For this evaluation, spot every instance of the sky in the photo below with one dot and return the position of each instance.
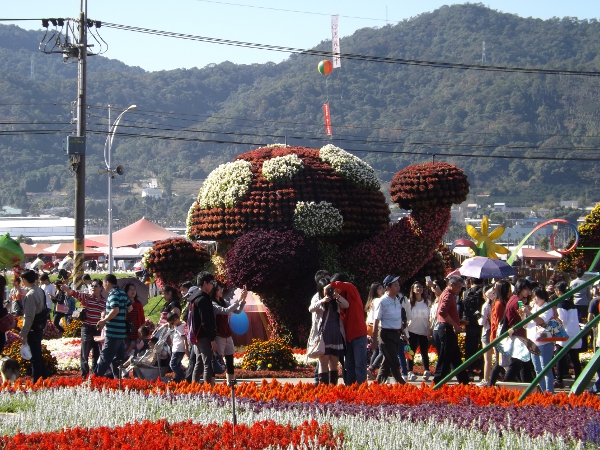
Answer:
(273, 22)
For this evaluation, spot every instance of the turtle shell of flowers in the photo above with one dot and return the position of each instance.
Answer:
(271, 205)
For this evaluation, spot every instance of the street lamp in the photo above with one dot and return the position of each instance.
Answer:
(111, 174)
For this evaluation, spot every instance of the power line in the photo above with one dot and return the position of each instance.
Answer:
(363, 141)
(319, 124)
(351, 56)
(289, 10)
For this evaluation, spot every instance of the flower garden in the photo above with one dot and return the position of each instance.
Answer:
(92, 414)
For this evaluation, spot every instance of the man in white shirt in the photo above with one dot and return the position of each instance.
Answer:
(48, 288)
(388, 318)
(37, 263)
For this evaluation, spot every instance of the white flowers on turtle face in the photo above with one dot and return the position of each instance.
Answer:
(318, 219)
(282, 168)
(350, 167)
(225, 185)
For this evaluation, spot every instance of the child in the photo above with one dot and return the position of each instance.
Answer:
(140, 345)
(70, 301)
(179, 346)
(147, 359)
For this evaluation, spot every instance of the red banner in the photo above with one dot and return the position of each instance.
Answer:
(327, 116)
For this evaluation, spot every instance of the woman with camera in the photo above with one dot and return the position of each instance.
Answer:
(329, 322)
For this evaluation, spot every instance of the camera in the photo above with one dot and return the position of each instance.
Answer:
(329, 292)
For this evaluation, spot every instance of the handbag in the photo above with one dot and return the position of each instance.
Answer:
(7, 322)
(61, 308)
(552, 332)
(217, 364)
(79, 314)
(316, 344)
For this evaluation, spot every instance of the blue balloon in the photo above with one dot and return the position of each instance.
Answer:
(239, 323)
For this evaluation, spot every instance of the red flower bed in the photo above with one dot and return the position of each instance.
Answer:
(372, 394)
(181, 435)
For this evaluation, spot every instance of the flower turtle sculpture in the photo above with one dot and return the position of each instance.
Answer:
(284, 212)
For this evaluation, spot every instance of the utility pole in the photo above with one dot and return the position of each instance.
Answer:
(75, 146)
(79, 160)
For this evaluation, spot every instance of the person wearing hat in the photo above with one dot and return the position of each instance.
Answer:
(449, 357)
(37, 263)
(67, 263)
(387, 328)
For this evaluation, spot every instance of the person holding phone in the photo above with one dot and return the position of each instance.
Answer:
(223, 310)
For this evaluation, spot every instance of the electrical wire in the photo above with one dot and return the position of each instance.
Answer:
(162, 114)
(292, 11)
(351, 56)
(362, 141)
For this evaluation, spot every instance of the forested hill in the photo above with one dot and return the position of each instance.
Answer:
(375, 106)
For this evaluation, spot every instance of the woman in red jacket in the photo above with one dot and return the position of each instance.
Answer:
(355, 362)
(136, 316)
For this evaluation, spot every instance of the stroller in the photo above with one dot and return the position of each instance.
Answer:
(147, 370)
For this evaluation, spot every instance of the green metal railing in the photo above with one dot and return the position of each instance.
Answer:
(522, 323)
(559, 356)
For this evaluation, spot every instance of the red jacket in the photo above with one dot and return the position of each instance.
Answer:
(353, 317)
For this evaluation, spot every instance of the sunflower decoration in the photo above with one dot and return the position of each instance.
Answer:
(484, 244)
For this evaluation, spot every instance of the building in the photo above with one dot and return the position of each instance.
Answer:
(38, 226)
(500, 207)
(523, 227)
(152, 192)
(574, 204)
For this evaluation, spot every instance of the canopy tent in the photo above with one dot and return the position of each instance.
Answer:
(31, 251)
(141, 231)
(64, 248)
(537, 255)
(257, 318)
(125, 252)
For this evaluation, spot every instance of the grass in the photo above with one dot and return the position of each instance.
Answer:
(154, 304)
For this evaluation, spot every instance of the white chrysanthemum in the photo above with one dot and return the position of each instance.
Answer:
(189, 221)
(282, 168)
(146, 256)
(318, 219)
(349, 167)
(225, 185)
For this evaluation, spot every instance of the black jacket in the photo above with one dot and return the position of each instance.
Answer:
(203, 315)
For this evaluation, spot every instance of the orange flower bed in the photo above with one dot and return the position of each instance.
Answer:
(182, 435)
(372, 394)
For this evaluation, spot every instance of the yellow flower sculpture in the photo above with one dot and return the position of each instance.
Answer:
(485, 242)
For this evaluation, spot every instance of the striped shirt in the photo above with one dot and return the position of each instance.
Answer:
(93, 307)
(115, 328)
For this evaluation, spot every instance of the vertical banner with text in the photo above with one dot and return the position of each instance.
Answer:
(327, 116)
(335, 39)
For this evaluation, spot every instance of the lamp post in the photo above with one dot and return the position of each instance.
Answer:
(111, 174)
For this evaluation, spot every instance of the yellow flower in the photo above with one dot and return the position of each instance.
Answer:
(485, 242)
(270, 365)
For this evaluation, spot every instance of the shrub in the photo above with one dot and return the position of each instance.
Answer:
(25, 366)
(73, 329)
(175, 260)
(274, 354)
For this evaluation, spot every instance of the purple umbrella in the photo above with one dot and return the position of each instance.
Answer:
(483, 267)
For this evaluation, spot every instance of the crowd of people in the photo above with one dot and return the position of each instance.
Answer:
(371, 342)
(114, 329)
(396, 324)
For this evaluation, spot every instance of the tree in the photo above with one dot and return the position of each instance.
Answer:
(544, 243)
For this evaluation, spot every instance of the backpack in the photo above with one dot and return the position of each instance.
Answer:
(473, 302)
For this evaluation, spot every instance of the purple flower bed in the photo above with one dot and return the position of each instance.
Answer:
(567, 422)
